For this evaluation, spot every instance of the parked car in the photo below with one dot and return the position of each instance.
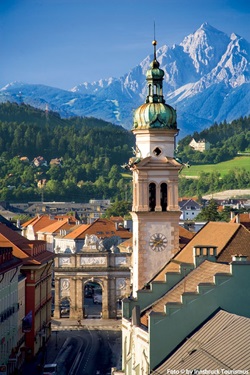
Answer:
(50, 369)
(65, 307)
(97, 298)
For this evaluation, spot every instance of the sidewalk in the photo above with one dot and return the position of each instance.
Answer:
(66, 323)
(53, 346)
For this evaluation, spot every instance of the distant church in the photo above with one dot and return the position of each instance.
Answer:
(174, 292)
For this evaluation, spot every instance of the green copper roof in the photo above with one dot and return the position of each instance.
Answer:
(154, 113)
(155, 71)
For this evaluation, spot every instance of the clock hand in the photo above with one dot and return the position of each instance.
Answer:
(158, 242)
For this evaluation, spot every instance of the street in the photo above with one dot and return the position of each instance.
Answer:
(85, 352)
(90, 349)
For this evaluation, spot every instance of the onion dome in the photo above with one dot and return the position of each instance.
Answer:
(154, 113)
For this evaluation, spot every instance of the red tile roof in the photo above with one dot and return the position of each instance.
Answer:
(184, 236)
(77, 233)
(58, 225)
(125, 245)
(102, 228)
(243, 219)
(39, 222)
(31, 252)
(116, 219)
(229, 238)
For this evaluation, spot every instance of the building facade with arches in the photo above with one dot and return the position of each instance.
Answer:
(73, 272)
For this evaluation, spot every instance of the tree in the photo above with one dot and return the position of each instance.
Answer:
(210, 212)
(225, 215)
(118, 208)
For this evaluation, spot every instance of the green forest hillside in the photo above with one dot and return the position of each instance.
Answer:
(87, 152)
(226, 165)
(226, 141)
(45, 157)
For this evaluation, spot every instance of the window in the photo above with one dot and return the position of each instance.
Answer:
(157, 151)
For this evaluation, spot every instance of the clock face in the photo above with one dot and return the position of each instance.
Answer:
(158, 242)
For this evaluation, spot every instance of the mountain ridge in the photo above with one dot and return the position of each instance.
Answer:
(206, 79)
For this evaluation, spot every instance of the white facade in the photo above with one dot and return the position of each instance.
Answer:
(189, 210)
(8, 313)
(135, 349)
(66, 245)
(200, 146)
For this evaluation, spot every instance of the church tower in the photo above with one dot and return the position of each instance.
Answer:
(155, 210)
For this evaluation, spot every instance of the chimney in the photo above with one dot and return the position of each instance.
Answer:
(136, 316)
(201, 253)
(239, 258)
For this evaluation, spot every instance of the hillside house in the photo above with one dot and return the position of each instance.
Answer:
(39, 161)
(200, 146)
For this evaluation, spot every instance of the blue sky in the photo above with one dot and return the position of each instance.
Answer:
(63, 43)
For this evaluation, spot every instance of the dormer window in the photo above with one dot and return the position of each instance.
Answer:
(157, 151)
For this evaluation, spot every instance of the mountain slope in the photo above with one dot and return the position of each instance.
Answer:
(206, 79)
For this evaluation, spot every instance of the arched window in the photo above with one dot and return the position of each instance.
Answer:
(150, 90)
(164, 196)
(152, 198)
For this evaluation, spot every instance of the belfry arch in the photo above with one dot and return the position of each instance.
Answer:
(157, 196)
(152, 196)
(164, 196)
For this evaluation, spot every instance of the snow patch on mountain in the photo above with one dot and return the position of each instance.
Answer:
(206, 80)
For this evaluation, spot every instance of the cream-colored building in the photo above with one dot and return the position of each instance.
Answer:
(201, 146)
(90, 255)
(9, 309)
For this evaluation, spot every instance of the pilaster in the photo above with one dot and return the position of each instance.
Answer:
(105, 299)
(79, 297)
(73, 298)
(57, 299)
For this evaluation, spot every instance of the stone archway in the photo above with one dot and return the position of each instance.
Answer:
(74, 272)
